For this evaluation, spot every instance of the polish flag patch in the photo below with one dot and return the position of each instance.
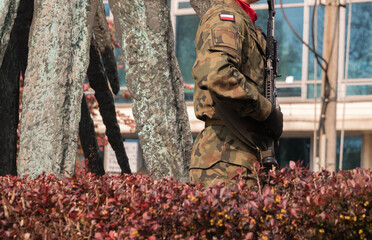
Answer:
(227, 17)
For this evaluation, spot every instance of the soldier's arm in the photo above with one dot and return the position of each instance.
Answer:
(216, 68)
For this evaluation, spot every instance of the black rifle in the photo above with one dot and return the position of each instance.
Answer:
(269, 160)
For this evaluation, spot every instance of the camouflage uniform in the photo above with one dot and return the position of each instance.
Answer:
(230, 66)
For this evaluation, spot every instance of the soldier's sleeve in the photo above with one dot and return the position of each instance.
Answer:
(219, 48)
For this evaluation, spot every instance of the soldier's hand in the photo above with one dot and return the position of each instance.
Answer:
(274, 123)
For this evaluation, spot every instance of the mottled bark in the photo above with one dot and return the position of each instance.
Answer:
(53, 87)
(15, 61)
(155, 83)
(8, 10)
(103, 38)
(88, 141)
(98, 81)
(201, 6)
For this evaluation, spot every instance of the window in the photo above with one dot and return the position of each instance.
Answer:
(315, 31)
(311, 90)
(107, 10)
(186, 27)
(293, 149)
(360, 53)
(288, 45)
(359, 90)
(358, 63)
(351, 154)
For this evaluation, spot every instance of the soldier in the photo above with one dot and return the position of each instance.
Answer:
(229, 74)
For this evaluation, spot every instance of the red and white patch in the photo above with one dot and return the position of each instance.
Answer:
(227, 17)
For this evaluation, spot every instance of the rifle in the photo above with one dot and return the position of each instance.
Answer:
(269, 160)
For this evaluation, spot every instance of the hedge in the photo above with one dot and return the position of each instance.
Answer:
(290, 203)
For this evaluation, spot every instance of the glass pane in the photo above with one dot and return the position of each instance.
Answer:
(189, 94)
(293, 149)
(289, 47)
(107, 10)
(120, 66)
(289, 92)
(186, 27)
(184, 5)
(319, 48)
(262, 19)
(359, 90)
(122, 97)
(311, 90)
(360, 55)
(352, 153)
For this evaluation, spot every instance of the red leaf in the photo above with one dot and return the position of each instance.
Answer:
(293, 212)
(155, 227)
(322, 215)
(98, 235)
(266, 191)
(169, 195)
(113, 234)
(146, 216)
(254, 204)
(249, 236)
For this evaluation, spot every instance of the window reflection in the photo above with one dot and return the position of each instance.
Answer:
(186, 27)
(319, 21)
(360, 55)
(352, 153)
(359, 90)
(107, 10)
(289, 92)
(289, 47)
(311, 90)
(293, 149)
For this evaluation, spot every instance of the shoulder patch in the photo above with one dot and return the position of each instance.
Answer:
(227, 17)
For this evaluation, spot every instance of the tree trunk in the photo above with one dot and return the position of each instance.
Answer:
(155, 84)
(8, 10)
(53, 87)
(14, 63)
(88, 141)
(201, 6)
(98, 81)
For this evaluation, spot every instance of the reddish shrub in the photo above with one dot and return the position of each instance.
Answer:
(293, 203)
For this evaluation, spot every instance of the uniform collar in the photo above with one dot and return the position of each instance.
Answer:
(251, 13)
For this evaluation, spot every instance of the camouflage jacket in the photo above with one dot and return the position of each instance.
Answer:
(230, 64)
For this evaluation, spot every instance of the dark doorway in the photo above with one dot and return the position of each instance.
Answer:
(293, 149)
